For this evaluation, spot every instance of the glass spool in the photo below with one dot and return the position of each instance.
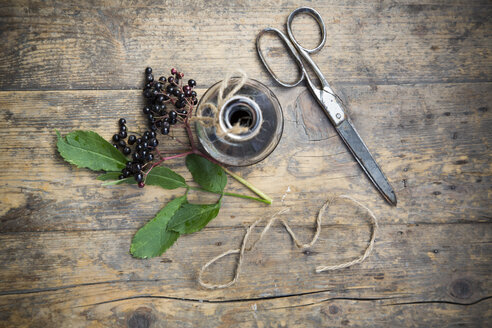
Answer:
(254, 108)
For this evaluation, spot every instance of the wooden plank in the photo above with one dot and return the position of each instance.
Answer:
(433, 146)
(66, 46)
(84, 275)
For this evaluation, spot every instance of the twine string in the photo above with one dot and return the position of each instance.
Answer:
(213, 120)
(297, 242)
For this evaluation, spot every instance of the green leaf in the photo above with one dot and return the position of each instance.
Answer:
(109, 176)
(90, 150)
(165, 178)
(153, 239)
(115, 177)
(208, 175)
(193, 217)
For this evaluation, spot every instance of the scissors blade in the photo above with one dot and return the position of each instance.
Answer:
(357, 147)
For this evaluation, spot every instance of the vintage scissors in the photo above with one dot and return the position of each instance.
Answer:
(327, 99)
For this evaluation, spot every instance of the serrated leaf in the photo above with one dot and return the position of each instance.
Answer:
(153, 239)
(208, 175)
(165, 178)
(114, 176)
(90, 150)
(193, 217)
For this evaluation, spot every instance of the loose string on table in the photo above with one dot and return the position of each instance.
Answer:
(241, 251)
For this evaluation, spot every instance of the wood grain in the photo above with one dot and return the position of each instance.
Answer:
(59, 45)
(416, 78)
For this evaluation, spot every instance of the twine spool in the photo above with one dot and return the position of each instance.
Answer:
(241, 251)
(214, 120)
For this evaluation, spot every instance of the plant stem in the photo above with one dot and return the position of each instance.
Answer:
(232, 195)
(266, 201)
(257, 191)
(250, 186)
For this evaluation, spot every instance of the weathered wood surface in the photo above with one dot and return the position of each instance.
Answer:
(416, 77)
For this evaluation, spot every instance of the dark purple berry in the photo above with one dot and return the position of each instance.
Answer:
(127, 151)
(193, 94)
(180, 103)
(122, 143)
(160, 99)
(162, 79)
(153, 142)
(192, 83)
(136, 156)
(170, 79)
(148, 70)
(126, 173)
(122, 121)
(141, 184)
(115, 146)
(138, 177)
(147, 93)
(139, 141)
(174, 71)
(123, 128)
(132, 139)
(116, 138)
(149, 78)
(172, 114)
(146, 110)
(121, 177)
(165, 130)
(123, 134)
(149, 157)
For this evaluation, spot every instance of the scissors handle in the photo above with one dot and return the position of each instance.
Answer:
(319, 20)
(290, 48)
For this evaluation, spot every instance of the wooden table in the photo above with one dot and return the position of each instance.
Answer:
(416, 77)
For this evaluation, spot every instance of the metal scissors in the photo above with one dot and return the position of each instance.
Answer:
(327, 99)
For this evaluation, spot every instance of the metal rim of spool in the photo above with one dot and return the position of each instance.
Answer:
(227, 110)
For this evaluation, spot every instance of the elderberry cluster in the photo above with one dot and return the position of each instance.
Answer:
(168, 102)
(170, 90)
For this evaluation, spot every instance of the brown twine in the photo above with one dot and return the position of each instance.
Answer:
(213, 121)
(297, 242)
